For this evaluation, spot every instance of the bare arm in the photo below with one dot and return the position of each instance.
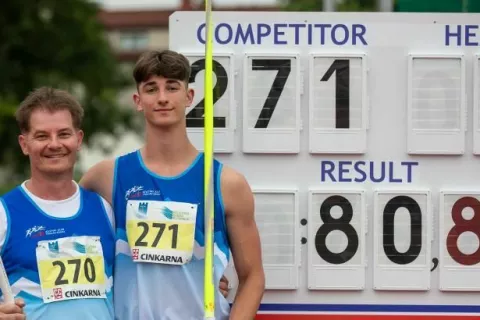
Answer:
(99, 179)
(245, 244)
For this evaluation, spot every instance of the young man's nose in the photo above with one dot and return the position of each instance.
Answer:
(162, 97)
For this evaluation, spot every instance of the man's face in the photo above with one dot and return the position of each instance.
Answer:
(163, 101)
(52, 142)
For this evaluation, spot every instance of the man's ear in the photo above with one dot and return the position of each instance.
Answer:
(80, 135)
(23, 144)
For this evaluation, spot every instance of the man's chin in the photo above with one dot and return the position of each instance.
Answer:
(57, 170)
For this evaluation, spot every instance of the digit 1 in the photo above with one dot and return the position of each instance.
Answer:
(341, 67)
(174, 228)
(461, 226)
(342, 224)
(389, 230)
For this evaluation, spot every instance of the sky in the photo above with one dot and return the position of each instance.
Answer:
(133, 4)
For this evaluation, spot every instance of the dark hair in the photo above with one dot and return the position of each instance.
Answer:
(49, 99)
(166, 63)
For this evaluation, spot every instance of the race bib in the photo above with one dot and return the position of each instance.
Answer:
(71, 268)
(161, 231)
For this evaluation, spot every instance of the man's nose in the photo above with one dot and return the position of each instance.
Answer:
(54, 143)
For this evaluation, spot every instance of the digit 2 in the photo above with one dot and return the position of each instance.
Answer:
(195, 116)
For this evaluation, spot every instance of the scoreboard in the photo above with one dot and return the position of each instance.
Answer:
(360, 136)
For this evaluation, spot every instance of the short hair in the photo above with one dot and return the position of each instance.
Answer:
(49, 99)
(167, 63)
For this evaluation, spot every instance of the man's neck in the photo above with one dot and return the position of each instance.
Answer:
(167, 150)
(51, 188)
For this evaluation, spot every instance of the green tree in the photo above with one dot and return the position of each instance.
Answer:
(342, 5)
(304, 5)
(60, 44)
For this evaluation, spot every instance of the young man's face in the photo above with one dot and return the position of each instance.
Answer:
(163, 101)
(52, 142)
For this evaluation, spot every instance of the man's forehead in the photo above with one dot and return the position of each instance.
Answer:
(48, 128)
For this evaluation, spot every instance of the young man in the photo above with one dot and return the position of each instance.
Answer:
(157, 195)
(56, 238)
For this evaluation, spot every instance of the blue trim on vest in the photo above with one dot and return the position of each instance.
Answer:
(106, 214)
(46, 214)
(220, 201)
(114, 187)
(7, 235)
(186, 171)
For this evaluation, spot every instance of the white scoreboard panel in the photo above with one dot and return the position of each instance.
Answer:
(360, 136)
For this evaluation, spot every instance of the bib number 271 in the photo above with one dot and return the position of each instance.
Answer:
(161, 231)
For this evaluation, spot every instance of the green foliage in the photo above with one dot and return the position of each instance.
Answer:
(317, 5)
(357, 5)
(304, 5)
(60, 44)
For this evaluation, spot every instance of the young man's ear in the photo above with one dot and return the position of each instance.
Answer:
(136, 100)
(190, 95)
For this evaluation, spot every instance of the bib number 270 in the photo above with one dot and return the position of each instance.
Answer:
(88, 270)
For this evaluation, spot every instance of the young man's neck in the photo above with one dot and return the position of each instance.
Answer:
(168, 146)
(55, 187)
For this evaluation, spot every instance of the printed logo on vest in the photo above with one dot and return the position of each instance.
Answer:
(137, 192)
(41, 231)
(35, 231)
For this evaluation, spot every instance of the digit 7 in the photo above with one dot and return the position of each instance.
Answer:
(76, 273)
(283, 67)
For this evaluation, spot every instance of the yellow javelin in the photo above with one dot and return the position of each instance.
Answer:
(209, 293)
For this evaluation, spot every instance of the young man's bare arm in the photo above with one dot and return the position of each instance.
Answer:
(99, 179)
(244, 243)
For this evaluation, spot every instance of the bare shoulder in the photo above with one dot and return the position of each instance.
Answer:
(236, 191)
(99, 178)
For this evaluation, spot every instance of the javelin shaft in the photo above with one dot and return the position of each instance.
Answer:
(209, 293)
(5, 285)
